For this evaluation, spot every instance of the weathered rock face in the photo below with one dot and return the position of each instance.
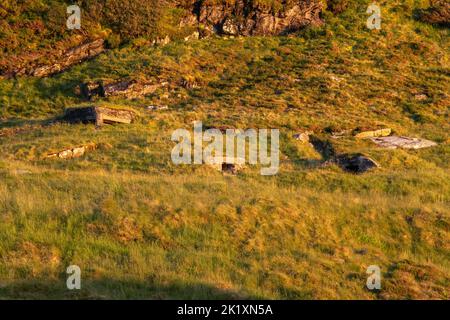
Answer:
(247, 18)
(62, 61)
(70, 57)
(129, 89)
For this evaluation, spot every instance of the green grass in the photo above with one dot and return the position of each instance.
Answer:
(140, 227)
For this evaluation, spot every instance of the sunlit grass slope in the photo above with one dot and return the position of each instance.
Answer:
(141, 227)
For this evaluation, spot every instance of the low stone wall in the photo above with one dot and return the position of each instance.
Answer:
(129, 89)
(59, 62)
(73, 152)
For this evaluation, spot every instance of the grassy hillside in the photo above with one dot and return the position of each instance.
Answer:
(141, 227)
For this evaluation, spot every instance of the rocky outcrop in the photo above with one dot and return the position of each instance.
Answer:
(72, 153)
(303, 137)
(129, 89)
(247, 18)
(61, 62)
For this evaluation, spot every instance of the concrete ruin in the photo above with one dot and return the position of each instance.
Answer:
(98, 115)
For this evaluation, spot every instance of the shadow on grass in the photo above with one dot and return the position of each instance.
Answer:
(107, 288)
(51, 87)
(324, 147)
(321, 146)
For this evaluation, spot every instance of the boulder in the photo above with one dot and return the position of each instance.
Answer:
(65, 154)
(78, 152)
(421, 97)
(394, 142)
(303, 136)
(157, 108)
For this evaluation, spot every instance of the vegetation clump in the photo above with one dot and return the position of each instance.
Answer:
(337, 6)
